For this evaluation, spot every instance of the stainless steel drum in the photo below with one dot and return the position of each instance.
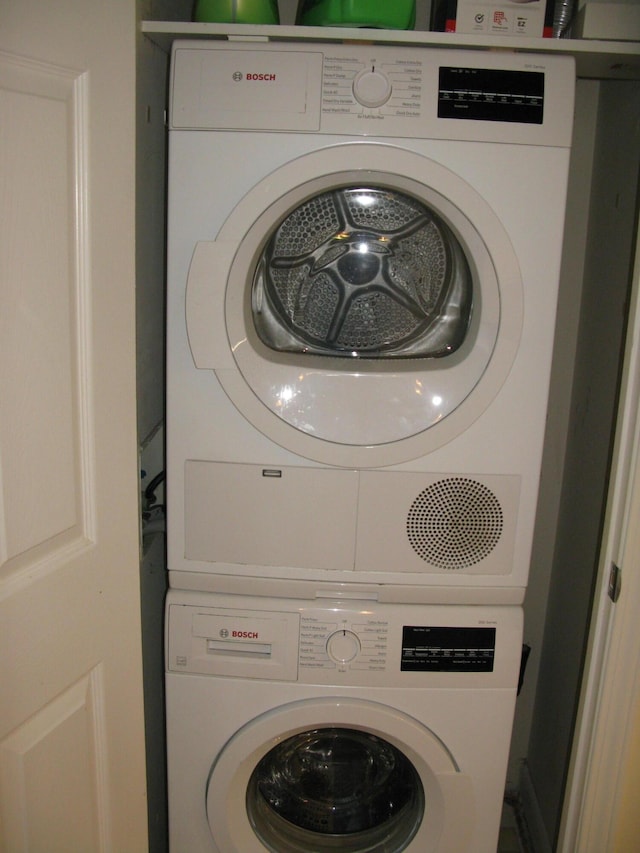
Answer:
(363, 272)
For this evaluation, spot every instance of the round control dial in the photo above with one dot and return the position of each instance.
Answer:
(371, 88)
(343, 646)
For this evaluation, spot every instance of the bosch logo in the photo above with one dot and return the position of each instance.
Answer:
(245, 635)
(254, 78)
(224, 633)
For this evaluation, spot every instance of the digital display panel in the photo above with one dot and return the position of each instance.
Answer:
(428, 649)
(491, 95)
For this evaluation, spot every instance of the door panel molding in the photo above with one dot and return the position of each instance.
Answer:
(46, 464)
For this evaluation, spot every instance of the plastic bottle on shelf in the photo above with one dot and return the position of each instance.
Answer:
(236, 11)
(389, 14)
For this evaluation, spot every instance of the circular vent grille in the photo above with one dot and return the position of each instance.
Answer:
(454, 523)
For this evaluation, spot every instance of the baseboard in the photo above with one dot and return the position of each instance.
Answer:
(535, 830)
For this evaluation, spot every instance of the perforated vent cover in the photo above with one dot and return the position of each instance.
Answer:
(455, 523)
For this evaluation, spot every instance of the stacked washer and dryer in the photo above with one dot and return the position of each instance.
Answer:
(363, 256)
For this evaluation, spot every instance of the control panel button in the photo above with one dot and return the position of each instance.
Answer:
(371, 88)
(343, 646)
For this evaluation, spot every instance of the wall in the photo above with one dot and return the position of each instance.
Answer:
(151, 79)
(566, 341)
(593, 399)
(150, 214)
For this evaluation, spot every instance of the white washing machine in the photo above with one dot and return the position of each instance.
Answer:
(363, 254)
(337, 724)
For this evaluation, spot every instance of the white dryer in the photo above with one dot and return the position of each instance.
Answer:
(363, 256)
(337, 725)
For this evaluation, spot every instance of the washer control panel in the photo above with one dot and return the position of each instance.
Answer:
(342, 643)
(343, 640)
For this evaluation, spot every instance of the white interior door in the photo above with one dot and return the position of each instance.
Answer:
(72, 774)
(600, 808)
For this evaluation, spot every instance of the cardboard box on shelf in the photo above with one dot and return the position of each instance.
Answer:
(608, 20)
(526, 18)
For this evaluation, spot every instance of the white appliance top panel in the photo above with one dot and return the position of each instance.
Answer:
(366, 90)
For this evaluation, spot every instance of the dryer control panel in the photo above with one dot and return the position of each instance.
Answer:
(372, 90)
(342, 643)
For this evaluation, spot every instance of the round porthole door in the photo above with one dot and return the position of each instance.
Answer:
(363, 271)
(337, 774)
(335, 788)
(371, 305)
